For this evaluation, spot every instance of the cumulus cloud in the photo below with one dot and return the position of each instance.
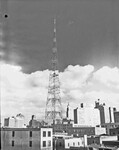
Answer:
(22, 92)
(27, 93)
(108, 76)
(74, 77)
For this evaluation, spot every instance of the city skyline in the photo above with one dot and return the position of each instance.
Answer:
(88, 49)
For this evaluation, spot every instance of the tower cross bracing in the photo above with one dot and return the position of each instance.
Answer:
(53, 111)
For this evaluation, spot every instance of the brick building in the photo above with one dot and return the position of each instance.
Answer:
(114, 131)
(116, 116)
(109, 126)
(26, 138)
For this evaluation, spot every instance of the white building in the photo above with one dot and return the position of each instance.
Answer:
(20, 121)
(73, 142)
(15, 122)
(46, 138)
(100, 130)
(70, 112)
(108, 138)
(64, 141)
(109, 114)
(87, 116)
(10, 122)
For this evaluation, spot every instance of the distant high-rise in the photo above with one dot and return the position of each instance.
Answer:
(69, 112)
(15, 122)
(106, 113)
(53, 112)
(86, 116)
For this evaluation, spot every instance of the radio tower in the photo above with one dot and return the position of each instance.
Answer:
(53, 112)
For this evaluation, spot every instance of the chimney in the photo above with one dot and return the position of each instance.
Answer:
(97, 103)
(114, 109)
(81, 105)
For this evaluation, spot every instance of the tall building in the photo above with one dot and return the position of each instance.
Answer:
(53, 112)
(106, 113)
(20, 121)
(10, 122)
(70, 112)
(86, 116)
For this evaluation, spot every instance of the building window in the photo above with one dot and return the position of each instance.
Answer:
(90, 148)
(44, 133)
(30, 143)
(44, 143)
(49, 133)
(68, 145)
(12, 143)
(30, 134)
(60, 144)
(49, 143)
(113, 133)
(13, 133)
(73, 144)
(78, 143)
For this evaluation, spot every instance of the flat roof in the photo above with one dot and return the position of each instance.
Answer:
(23, 129)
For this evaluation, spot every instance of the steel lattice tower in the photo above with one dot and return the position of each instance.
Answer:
(53, 110)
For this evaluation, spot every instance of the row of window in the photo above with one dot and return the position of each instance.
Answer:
(113, 126)
(74, 144)
(30, 143)
(44, 133)
(44, 143)
(30, 134)
(115, 133)
(84, 131)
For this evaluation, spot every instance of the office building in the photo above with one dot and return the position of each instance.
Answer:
(89, 131)
(106, 113)
(15, 122)
(86, 116)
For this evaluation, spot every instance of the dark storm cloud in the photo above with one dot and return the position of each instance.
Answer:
(87, 32)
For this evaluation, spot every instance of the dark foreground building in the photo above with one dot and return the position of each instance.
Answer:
(26, 138)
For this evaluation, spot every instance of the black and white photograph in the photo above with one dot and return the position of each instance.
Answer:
(59, 74)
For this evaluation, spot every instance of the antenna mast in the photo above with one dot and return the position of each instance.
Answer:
(53, 112)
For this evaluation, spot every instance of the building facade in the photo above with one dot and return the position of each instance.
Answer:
(26, 138)
(109, 126)
(74, 142)
(15, 122)
(89, 131)
(114, 131)
(65, 142)
(106, 113)
(86, 116)
(116, 116)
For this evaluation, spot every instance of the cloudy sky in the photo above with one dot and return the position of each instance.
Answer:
(88, 53)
